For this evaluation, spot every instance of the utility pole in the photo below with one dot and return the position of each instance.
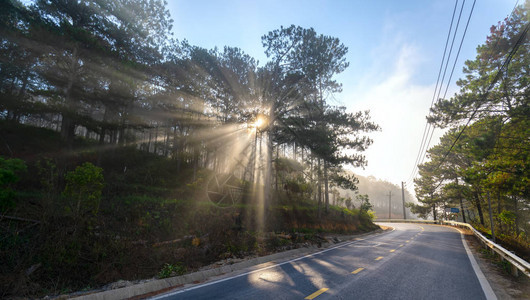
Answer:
(403, 198)
(389, 204)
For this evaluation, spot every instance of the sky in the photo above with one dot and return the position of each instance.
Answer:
(395, 51)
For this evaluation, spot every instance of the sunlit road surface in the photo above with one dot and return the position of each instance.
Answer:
(414, 261)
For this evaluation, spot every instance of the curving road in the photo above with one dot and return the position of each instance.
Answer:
(413, 261)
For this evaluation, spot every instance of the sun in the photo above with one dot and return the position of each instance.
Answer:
(259, 122)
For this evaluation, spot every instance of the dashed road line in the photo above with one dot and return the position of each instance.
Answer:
(379, 258)
(392, 250)
(316, 294)
(357, 271)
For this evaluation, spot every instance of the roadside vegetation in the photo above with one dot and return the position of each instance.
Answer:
(99, 224)
(482, 163)
(127, 153)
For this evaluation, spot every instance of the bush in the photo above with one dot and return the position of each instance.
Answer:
(8, 176)
(172, 270)
(83, 188)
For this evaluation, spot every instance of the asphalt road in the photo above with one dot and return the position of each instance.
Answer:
(414, 261)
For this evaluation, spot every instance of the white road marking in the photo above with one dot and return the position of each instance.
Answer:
(486, 287)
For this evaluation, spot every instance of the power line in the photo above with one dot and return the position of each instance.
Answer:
(456, 60)
(428, 126)
(459, 48)
(425, 143)
(451, 49)
(488, 90)
(434, 94)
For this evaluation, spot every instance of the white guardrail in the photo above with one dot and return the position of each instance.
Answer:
(517, 263)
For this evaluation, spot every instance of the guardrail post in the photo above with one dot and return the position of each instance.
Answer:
(515, 271)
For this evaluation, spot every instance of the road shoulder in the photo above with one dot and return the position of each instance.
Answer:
(503, 284)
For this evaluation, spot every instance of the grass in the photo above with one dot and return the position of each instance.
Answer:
(170, 270)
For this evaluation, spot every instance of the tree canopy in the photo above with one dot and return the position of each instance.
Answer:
(112, 72)
(485, 152)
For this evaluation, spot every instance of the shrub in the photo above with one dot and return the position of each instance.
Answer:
(172, 270)
(83, 188)
(365, 202)
(8, 176)
(508, 218)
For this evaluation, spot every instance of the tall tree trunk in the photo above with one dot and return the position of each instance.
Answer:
(268, 167)
(461, 201)
(462, 209)
(114, 136)
(320, 95)
(121, 134)
(479, 207)
(311, 175)
(319, 174)
(155, 140)
(268, 170)
(166, 144)
(195, 162)
(102, 134)
(276, 171)
(516, 215)
(499, 205)
(68, 124)
(68, 129)
(149, 141)
(326, 186)
(103, 128)
(206, 163)
(15, 113)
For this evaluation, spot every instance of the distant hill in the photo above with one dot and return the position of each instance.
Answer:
(377, 191)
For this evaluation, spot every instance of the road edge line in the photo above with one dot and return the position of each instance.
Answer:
(200, 285)
(484, 283)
